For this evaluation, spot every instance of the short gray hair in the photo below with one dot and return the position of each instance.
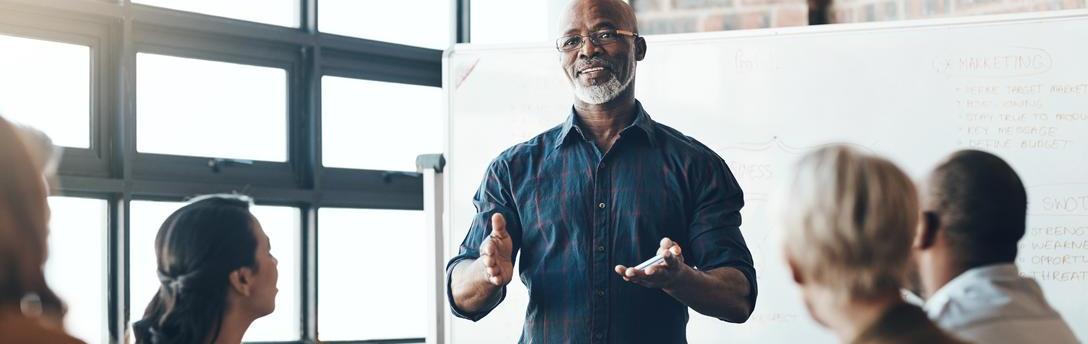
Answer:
(850, 221)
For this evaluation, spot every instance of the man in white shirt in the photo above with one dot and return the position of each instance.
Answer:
(974, 213)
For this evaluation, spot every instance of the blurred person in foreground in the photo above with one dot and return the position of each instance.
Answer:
(30, 312)
(848, 229)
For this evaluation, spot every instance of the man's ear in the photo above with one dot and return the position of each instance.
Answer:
(928, 229)
(241, 280)
(640, 48)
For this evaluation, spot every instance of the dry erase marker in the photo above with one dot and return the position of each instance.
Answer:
(649, 262)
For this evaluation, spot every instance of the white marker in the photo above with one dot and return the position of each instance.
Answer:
(650, 261)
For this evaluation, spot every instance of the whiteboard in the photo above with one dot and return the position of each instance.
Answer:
(914, 91)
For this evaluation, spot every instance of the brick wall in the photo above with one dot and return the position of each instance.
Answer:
(678, 16)
(851, 11)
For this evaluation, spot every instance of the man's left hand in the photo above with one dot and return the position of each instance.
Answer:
(661, 275)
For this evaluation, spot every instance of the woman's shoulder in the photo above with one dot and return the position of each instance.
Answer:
(19, 329)
(905, 324)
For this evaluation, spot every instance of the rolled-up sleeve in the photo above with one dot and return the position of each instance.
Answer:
(715, 237)
(493, 196)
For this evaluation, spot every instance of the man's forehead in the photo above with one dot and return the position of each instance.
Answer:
(592, 25)
(597, 14)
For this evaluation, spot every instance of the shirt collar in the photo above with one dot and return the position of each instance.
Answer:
(642, 121)
(940, 299)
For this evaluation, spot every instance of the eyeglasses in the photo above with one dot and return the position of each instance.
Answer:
(599, 38)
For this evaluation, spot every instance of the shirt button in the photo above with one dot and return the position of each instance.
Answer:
(601, 205)
(600, 292)
(600, 248)
(598, 336)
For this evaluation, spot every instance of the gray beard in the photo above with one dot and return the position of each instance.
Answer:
(601, 93)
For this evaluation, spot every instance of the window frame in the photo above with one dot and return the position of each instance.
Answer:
(375, 341)
(112, 169)
(416, 71)
(97, 35)
(108, 240)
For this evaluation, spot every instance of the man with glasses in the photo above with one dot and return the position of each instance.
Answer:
(605, 190)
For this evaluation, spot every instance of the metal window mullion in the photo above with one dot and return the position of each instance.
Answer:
(118, 271)
(304, 119)
(121, 124)
(308, 16)
(462, 21)
(306, 157)
(309, 273)
(110, 116)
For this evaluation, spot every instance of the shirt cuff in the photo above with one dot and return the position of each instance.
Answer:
(474, 316)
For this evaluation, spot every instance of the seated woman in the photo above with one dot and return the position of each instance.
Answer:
(30, 312)
(848, 227)
(216, 271)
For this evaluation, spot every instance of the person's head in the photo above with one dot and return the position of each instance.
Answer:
(45, 155)
(975, 212)
(213, 259)
(848, 226)
(599, 48)
(24, 220)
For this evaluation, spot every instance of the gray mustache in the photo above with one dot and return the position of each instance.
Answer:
(596, 61)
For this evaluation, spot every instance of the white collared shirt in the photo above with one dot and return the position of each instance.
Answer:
(994, 304)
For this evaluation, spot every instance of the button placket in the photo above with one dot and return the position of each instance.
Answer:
(600, 270)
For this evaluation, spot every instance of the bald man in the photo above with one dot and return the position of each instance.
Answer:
(975, 211)
(605, 190)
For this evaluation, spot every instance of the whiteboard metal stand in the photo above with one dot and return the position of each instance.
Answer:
(431, 166)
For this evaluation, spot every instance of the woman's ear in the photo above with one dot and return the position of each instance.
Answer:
(241, 281)
(794, 271)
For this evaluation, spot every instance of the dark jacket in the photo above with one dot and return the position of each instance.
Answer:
(904, 324)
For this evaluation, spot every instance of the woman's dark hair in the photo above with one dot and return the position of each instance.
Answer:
(197, 247)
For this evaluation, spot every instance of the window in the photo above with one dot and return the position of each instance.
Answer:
(76, 269)
(276, 12)
(282, 226)
(142, 94)
(47, 85)
(373, 274)
(205, 108)
(379, 125)
(424, 23)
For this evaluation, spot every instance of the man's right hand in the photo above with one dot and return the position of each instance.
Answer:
(475, 286)
(495, 253)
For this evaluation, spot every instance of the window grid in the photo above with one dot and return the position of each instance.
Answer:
(112, 170)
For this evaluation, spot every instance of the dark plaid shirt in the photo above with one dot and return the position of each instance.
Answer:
(574, 213)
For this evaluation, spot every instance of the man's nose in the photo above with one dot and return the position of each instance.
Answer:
(589, 49)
